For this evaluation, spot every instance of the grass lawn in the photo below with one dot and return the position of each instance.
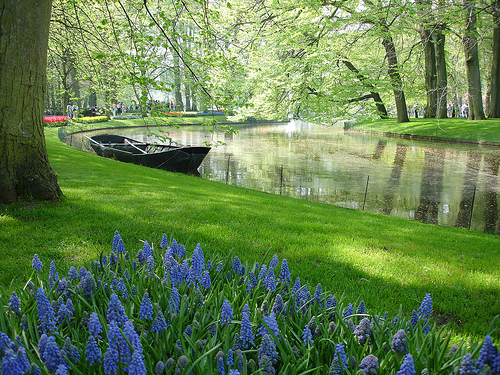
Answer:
(455, 128)
(385, 261)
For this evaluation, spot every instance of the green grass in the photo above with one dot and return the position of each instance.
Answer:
(382, 260)
(454, 128)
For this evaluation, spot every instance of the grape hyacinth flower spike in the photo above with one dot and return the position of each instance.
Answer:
(37, 263)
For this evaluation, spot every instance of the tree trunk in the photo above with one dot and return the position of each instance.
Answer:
(494, 107)
(476, 111)
(396, 80)
(25, 173)
(179, 107)
(375, 95)
(441, 72)
(430, 72)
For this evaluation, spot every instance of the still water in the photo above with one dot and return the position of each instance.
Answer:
(437, 183)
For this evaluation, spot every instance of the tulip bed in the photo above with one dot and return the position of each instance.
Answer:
(164, 311)
(91, 120)
(54, 121)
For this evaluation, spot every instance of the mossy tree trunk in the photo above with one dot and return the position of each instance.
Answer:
(25, 173)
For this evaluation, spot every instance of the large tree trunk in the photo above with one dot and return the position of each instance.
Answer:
(179, 106)
(494, 107)
(25, 173)
(441, 72)
(397, 83)
(476, 111)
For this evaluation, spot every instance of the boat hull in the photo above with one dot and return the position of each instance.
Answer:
(166, 157)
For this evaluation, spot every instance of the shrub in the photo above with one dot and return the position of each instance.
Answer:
(162, 311)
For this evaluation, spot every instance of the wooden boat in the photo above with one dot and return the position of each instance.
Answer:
(168, 157)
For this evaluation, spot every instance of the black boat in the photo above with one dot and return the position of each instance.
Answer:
(185, 159)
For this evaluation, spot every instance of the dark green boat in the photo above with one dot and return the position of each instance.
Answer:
(168, 157)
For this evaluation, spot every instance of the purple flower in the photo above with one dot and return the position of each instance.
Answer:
(307, 336)
(146, 310)
(246, 334)
(408, 367)
(284, 274)
(226, 316)
(399, 342)
(92, 352)
(369, 364)
(278, 306)
(160, 367)
(37, 263)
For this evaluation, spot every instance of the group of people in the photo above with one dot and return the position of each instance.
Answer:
(72, 110)
(458, 111)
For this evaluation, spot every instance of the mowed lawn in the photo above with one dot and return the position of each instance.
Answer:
(384, 261)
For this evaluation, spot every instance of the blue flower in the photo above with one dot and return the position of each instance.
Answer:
(95, 327)
(230, 358)
(270, 280)
(495, 367)
(116, 311)
(188, 331)
(10, 363)
(147, 251)
(407, 367)
(15, 303)
(92, 352)
(236, 264)
(369, 364)
(233, 372)
(120, 247)
(52, 269)
(160, 367)
(263, 272)
(226, 316)
(131, 335)
(349, 311)
(270, 325)
(399, 342)
(146, 310)
(268, 348)
(175, 300)
(205, 280)
(62, 370)
(331, 302)
(150, 266)
(284, 274)
(296, 286)
(317, 294)
(111, 359)
(363, 331)
(274, 262)
(117, 342)
(137, 366)
(340, 354)
(72, 274)
(487, 353)
(278, 306)
(414, 319)
(307, 336)
(37, 263)
(51, 354)
(164, 241)
(425, 308)
(221, 369)
(46, 315)
(22, 360)
(159, 323)
(361, 308)
(198, 263)
(246, 334)
(116, 238)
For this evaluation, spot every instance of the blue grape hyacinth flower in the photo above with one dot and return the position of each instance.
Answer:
(407, 367)
(246, 333)
(116, 311)
(159, 323)
(226, 316)
(307, 336)
(92, 352)
(146, 309)
(399, 342)
(284, 274)
(46, 315)
(164, 241)
(37, 263)
(369, 364)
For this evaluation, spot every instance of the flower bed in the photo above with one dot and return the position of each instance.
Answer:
(91, 120)
(52, 121)
(163, 311)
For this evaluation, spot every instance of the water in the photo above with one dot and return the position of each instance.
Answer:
(445, 184)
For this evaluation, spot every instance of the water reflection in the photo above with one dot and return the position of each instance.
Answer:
(433, 183)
